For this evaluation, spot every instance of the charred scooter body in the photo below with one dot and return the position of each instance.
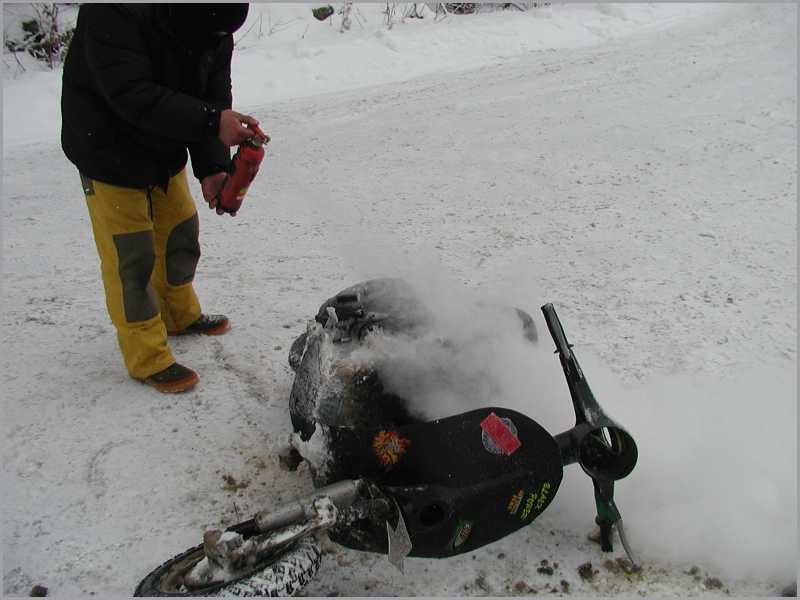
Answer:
(389, 481)
(459, 482)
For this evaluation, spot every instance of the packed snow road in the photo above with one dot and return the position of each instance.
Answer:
(646, 186)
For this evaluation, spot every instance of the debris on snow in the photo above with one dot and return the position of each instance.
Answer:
(523, 589)
(621, 565)
(586, 571)
(545, 568)
(232, 485)
(713, 583)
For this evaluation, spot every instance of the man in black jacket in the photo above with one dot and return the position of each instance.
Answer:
(144, 83)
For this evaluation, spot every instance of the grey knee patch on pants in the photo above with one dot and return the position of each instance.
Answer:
(137, 258)
(183, 251)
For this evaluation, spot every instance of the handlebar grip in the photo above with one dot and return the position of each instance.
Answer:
(556, 330)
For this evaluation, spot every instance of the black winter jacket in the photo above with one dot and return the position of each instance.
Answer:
(134, 98)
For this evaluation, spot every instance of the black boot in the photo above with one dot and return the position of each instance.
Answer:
(207, 325)
(172, 380)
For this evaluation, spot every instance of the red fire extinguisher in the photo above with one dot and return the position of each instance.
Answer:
(245, 167)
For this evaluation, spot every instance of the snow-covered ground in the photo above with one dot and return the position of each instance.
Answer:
(633, 164)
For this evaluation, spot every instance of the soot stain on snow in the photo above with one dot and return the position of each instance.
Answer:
(254, 387)
(40, 320)
(481, 582)
(231, 485)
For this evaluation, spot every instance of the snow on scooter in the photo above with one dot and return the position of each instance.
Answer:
(377, 487)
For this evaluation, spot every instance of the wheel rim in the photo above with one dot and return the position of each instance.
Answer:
(172, 581)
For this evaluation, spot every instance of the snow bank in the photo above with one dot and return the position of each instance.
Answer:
(304, 57)
(283, 52)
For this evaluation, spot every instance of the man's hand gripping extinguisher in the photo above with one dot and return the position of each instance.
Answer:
(244, 169)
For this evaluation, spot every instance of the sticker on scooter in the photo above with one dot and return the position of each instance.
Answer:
(515, 502)
(389, 447)
(499, 435)
(463, 531)
(536, 501)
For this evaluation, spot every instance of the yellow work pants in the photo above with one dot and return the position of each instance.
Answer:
(148, 246)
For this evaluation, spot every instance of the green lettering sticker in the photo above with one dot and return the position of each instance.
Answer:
(535, 501)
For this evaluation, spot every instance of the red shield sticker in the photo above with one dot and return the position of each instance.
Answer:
(500, 433)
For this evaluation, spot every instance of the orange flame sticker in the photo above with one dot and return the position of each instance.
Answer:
(389, 447)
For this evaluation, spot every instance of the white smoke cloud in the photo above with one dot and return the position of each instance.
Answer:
(717, 476)
(716, 481)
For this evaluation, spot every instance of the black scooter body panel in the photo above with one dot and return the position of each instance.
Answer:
(457, 490)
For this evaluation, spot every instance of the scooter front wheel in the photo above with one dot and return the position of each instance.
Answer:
(283, 575)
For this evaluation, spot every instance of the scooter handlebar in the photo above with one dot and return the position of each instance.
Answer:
(605, 451)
